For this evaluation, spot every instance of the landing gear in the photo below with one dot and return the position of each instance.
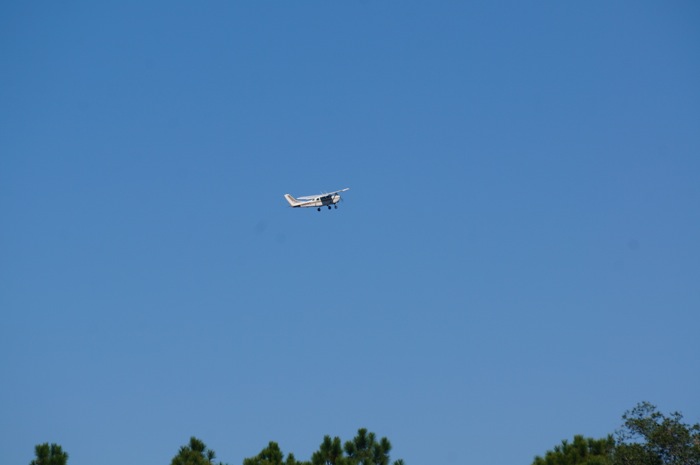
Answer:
(329, 207)
(319, 209)
(336, 207)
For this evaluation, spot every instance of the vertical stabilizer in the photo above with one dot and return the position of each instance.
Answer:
(292, 201)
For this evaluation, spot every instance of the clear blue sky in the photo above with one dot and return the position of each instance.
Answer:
(517, 261)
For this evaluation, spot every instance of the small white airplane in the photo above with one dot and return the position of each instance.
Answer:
(318, 201)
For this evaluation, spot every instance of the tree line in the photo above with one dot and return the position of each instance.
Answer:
(646, 437)
(364, 449)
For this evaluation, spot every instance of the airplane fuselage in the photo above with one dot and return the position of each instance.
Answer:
(323, 200)
(320, 202)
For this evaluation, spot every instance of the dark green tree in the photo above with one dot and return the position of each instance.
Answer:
(364, 449)
(582, 451)
(49, 455)
(648, 437)
(195, 453)
(272, 455)
(329, 453)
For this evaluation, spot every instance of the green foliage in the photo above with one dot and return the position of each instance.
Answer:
(329, 453)
(582, 451)
(648, 437)
(272, 455)
(364, 449)
(49, 455)
(195, 453)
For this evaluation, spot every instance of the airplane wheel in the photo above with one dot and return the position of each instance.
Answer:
(319, 209)
(336, 207)
(329, 207)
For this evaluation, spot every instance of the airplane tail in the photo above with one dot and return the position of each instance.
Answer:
(292, 201)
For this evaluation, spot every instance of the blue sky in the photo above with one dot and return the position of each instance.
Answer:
(517, 261)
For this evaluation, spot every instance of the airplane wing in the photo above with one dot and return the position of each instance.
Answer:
(319, 196)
